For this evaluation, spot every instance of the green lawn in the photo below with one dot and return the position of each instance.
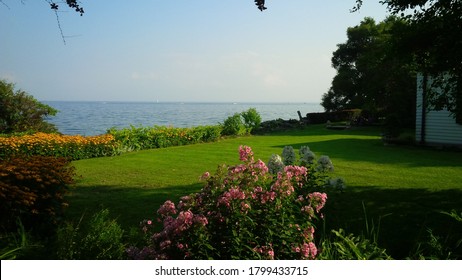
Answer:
(404, 186)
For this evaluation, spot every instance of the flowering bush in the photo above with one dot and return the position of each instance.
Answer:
(242, 212)
(33, 190)
(57, 145)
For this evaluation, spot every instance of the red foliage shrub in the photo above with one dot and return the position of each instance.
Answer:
(32, 189)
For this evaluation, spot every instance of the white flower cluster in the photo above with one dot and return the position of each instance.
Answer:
(275, 164)
(325, 164)
(288, 155)
(306, 155)
(337, 183)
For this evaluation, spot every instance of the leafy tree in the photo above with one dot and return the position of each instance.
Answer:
(435, 39)
(20, 112)
(371, 75)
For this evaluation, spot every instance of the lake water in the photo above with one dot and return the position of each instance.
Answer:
(94, 118)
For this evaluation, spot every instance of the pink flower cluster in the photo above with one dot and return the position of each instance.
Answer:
(297, 173)
(174, 227)
(318, 200)
(307, 250)
(265, 251)
(233, 194)
(245, 153)
(167, 209)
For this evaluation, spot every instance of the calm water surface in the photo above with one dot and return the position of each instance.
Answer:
(94, 118)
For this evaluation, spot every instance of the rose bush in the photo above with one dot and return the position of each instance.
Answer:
(242, 212)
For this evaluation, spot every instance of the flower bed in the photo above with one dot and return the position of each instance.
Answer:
(56, 145)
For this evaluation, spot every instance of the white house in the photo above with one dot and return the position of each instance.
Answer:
(435, 127)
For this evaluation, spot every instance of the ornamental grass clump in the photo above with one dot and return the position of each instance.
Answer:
(242, 212)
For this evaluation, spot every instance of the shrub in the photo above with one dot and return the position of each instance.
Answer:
(142, 138)
(252, 119)
(233, 125)
(32, 189)
(100, 238)
(242, 212)
(242, 123)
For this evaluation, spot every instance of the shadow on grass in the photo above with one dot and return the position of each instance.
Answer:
(128, 205)
(405, 215)
(320, 130)
(373, 150)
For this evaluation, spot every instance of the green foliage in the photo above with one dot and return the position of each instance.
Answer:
(142, 138)
(242, 123)
(252, 119)
(343, 246)
(371, 73)
(233, 125)
(32, 189)
(20, 112)
(99, 238)
(445, 245)
(16, 245)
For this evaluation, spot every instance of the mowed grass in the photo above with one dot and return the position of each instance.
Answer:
(402, 186)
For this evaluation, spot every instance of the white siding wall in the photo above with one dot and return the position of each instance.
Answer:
(441, 128)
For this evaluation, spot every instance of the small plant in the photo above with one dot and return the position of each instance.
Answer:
(437, 247)
(16, 245)
(343, 246)
(100, 238)
(242, 212)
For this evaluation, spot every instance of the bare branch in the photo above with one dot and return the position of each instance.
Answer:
(4, 4)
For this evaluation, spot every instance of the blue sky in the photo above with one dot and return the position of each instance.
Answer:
(176, 50)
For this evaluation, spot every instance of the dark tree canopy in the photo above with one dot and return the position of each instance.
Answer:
(371, 75)
(435, 39)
